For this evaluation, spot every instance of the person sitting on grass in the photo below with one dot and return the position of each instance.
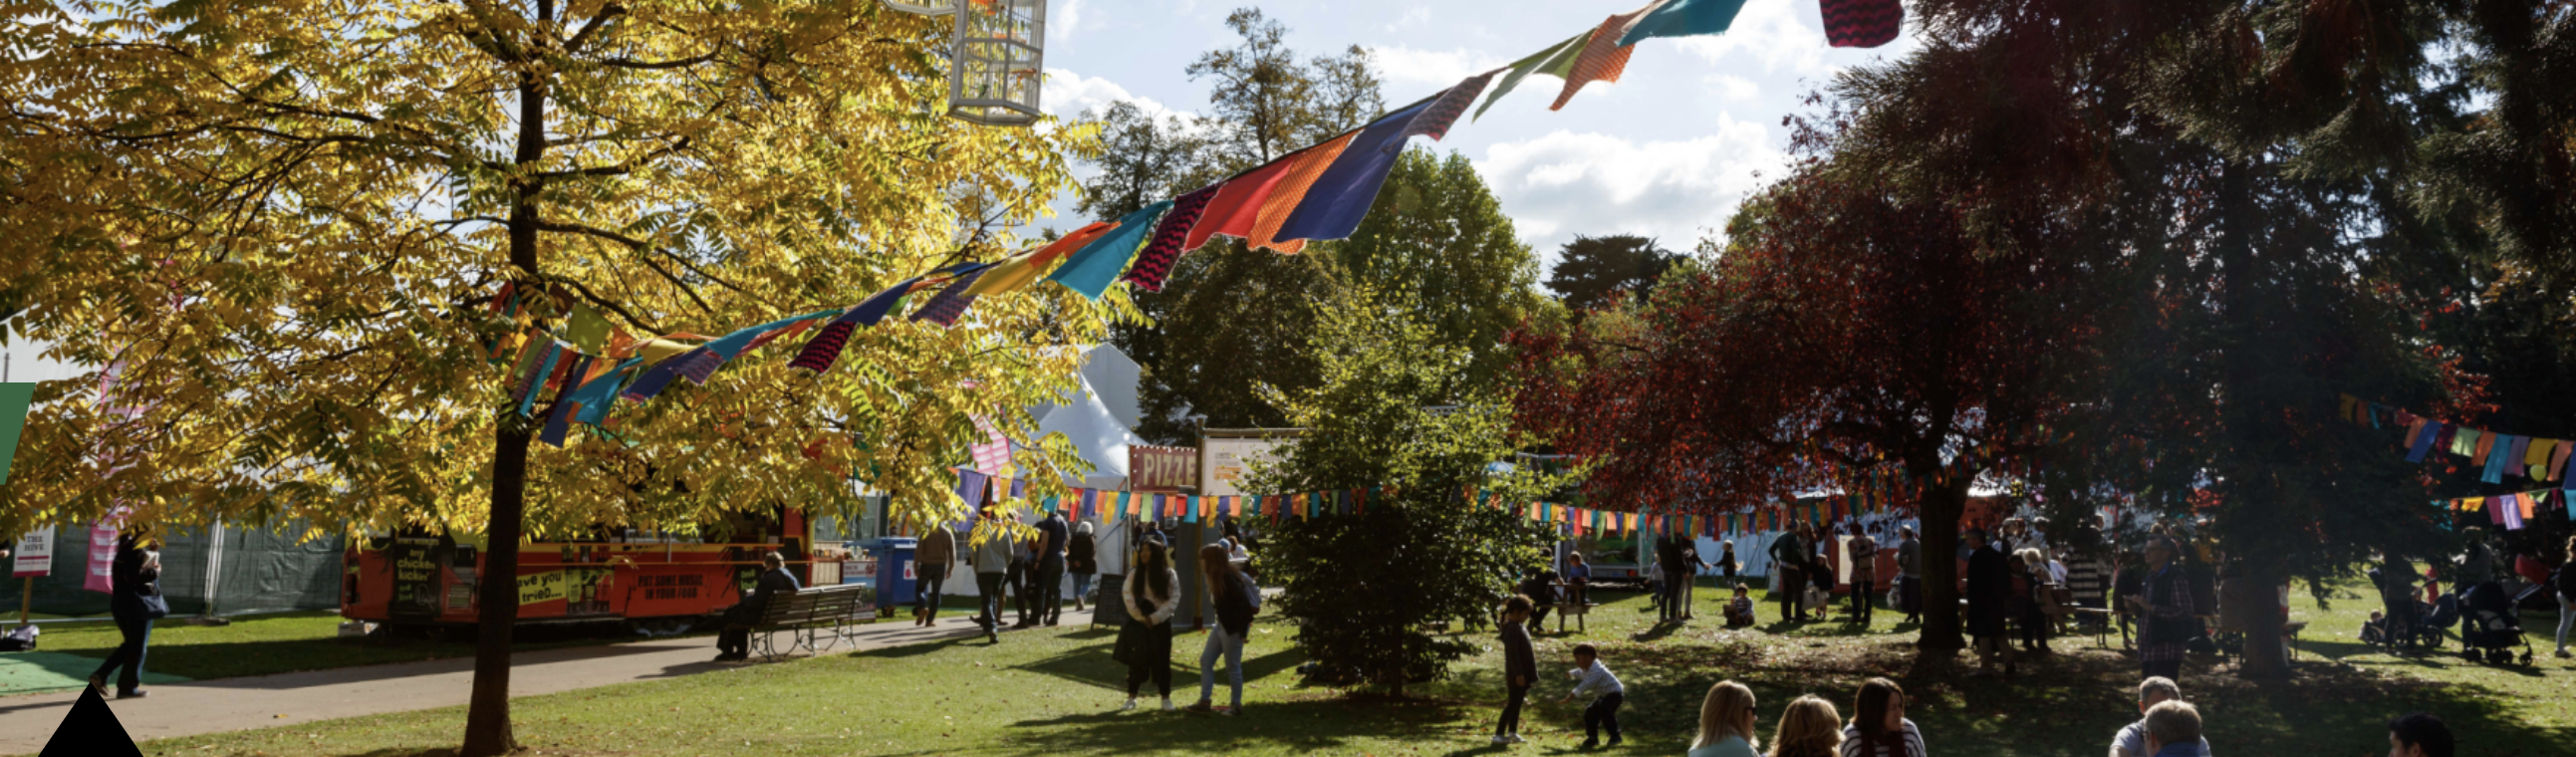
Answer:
(1520, 669)
(1726, 721)
(734, 643)
(1808, 728)
(2173, 730)
(1739, 611)
(1879, 727)
(1595, 678)
(2419, 735)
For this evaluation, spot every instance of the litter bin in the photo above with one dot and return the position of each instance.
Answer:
(895, 571)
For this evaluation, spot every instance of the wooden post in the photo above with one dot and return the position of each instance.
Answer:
(27, 600)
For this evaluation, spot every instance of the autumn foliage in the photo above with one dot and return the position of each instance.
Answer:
(1844, 331)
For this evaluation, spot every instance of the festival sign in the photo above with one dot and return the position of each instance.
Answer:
(35, 554)
(1228, 455)
(1161, 469)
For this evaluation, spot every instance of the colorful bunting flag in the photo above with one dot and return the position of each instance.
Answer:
(1091, 269)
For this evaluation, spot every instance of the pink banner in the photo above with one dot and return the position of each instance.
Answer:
(102, 557)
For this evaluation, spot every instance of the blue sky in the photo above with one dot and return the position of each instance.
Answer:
(1668, 152)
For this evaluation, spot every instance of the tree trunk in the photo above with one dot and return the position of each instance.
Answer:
(2265, 655)
(487, 714)
(1939, 518)
(2249, 426)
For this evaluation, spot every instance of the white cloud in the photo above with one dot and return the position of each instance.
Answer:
(1416, 16)
(1733, 88)
(1771, 34)
(1063, 20)
(1566, 183)
(1068, 94)
(1407, 70)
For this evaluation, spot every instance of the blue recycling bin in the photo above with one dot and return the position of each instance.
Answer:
(895, 572)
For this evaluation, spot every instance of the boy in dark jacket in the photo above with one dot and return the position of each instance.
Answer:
(1520, 668)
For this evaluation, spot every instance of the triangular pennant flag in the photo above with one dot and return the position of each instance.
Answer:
(1861, 23)
(1603, 58)
(1340, 196)
(1557, 59)
(1092, 268)
(1683, 18)
(1169, 240)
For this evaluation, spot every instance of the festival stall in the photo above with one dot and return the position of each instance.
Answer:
(654, 580)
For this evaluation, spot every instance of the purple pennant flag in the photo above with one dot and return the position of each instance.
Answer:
(1434, 122)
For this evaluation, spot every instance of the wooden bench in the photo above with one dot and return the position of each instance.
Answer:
(815, 619)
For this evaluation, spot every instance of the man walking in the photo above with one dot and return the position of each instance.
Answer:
(936, 551)
(1054, 534)
(993, 546)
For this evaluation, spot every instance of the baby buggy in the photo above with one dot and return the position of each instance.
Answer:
(2490, 626)
(2423, 627)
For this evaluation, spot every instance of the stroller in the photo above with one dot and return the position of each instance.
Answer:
(2490, 626)
(2424, 627)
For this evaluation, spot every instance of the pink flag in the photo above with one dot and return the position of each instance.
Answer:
(995, 452)
(102, 556)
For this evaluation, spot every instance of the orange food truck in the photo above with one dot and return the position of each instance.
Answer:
(649, 580)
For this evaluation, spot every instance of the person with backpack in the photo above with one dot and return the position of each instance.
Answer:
(1153, 592)
(1237, 599)
(1080, 559)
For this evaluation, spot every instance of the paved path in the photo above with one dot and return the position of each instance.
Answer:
(235, 704)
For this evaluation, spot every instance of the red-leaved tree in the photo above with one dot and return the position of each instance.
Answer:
(1844, 330)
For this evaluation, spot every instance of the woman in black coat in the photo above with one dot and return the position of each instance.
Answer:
(134, 599)
(1989, 600)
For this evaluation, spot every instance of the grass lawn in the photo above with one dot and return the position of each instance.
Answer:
(1053, 691)
(266, 644)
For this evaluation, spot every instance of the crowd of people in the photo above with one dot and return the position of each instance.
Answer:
(1810, 726)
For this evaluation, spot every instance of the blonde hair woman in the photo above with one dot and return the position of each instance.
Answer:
(1809, 728)
(1726, 723)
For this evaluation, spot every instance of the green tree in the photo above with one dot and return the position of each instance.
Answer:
(1362, 588)
(288, 223)
(1438, 238)
(1232, 318)
(1142, 160)
(1593, 272)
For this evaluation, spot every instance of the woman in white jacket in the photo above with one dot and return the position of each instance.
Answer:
(1153, 592)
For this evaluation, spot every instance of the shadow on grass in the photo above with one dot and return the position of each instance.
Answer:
(1307, 724)
(916, 649)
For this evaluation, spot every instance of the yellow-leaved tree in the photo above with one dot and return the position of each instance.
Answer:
(283, 227)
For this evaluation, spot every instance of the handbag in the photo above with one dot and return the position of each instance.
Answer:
(155, 606)
(1129, 637)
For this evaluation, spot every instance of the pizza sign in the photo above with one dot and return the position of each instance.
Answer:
(1161, 469)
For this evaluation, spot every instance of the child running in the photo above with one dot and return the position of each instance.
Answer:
(1592, 677)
